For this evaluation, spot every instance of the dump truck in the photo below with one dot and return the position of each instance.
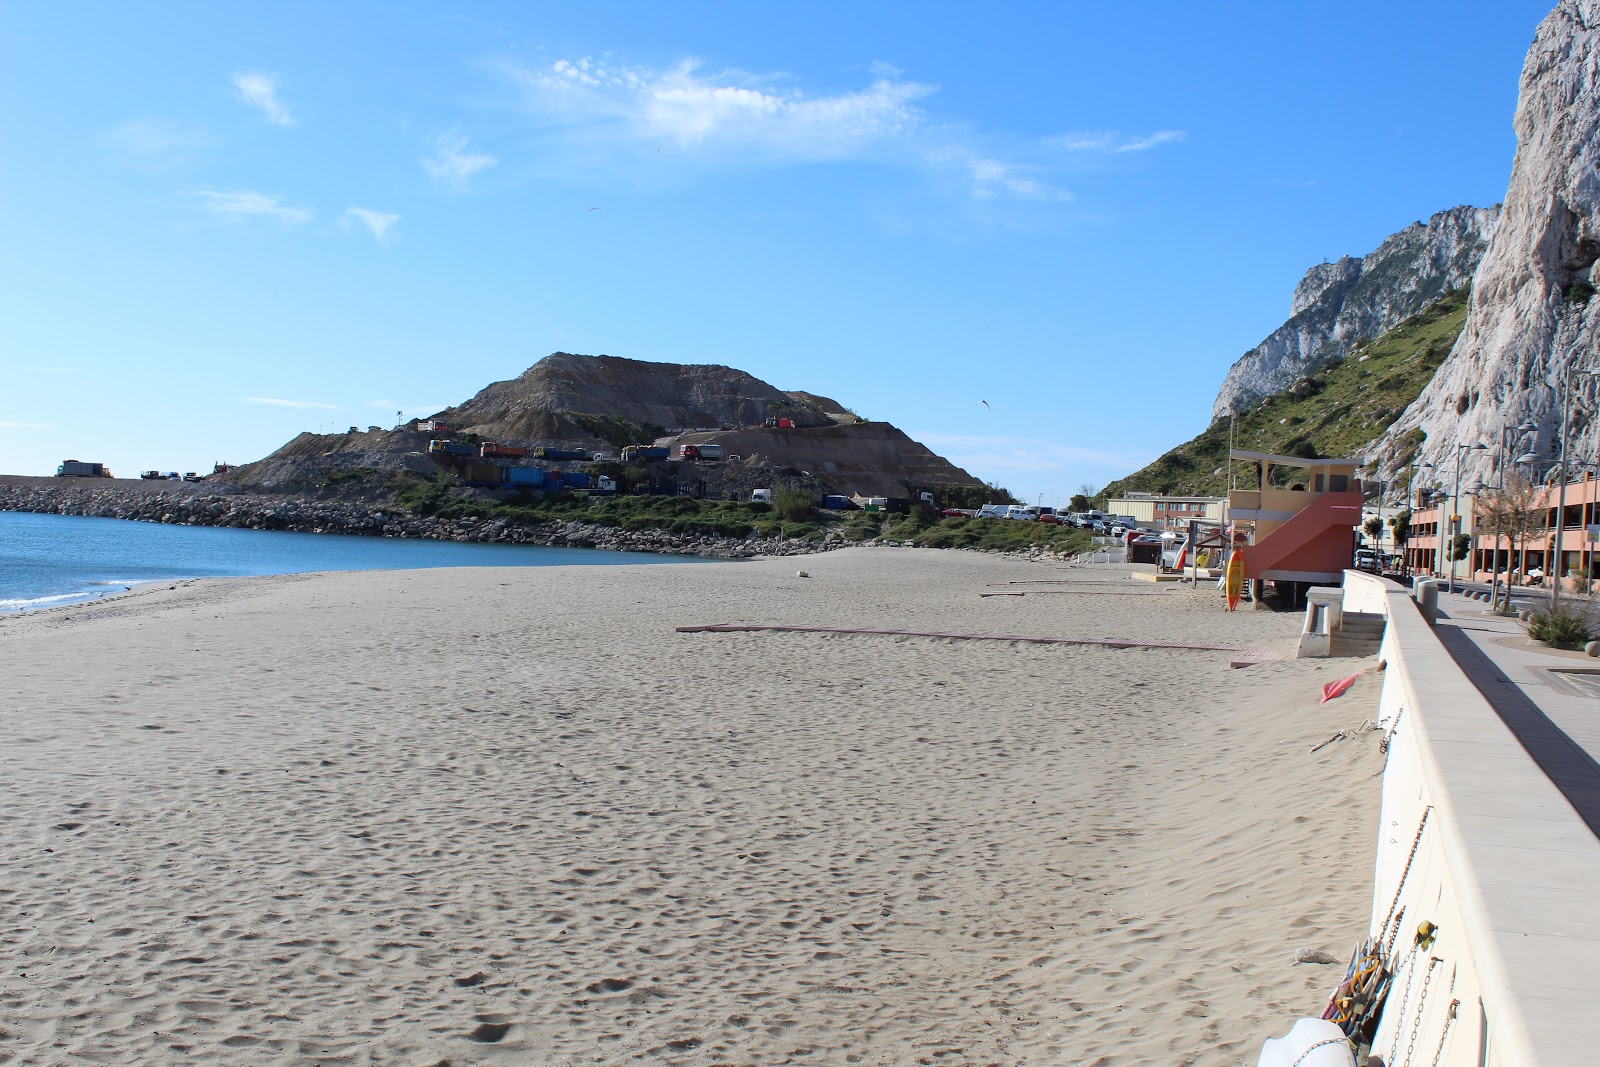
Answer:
(73, 468)
(704, 453)
(560, 453)
(645, 453)
(495, 448)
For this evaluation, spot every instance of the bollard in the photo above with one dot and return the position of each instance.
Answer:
(1427, 594)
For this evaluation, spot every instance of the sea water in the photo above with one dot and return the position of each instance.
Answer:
(48, 560)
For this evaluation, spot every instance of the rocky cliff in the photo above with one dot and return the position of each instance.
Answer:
(1338, 305)
(1531, 319)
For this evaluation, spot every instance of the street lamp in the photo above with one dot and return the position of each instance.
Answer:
(1411, 494)
(1561, 499)
(1455, 511)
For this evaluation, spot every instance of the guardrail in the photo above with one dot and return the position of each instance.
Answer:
(1475, 839)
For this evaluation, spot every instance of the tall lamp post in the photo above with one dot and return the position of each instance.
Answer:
(1510, 436)
(1561, 498)
(1411, 492)
(1455, 507)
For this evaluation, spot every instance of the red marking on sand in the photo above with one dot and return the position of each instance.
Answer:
(1251, 653)
(1333, 689)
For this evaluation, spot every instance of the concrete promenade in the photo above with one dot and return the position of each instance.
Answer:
(1548, 698)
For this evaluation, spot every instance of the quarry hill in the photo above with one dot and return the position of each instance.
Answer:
(599, 405)
(563, 394)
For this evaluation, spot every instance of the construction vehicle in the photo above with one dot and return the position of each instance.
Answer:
(73, 468)
(494, 448)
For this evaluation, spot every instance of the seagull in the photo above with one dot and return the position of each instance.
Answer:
(594, 209)
(985, 403)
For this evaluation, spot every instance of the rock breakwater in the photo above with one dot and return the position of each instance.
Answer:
(250, 511)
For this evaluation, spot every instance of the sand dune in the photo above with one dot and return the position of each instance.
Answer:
(511, 816)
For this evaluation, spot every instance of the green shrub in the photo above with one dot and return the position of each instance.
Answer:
(794, 505)
(1564, 626)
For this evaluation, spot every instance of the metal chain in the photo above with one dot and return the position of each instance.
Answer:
(1422, 1002)
(1388, 738)
(1449, 1017)
(1388, 945)
(1400, 1019)
(1406, 873)
(1325, 1041)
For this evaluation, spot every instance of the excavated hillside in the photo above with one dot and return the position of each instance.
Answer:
(870, 458)
(601, 404)
(586, 400)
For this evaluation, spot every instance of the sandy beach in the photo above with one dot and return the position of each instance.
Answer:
(514, 817)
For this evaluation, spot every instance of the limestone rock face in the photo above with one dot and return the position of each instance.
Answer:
(1530, 320)
(1336, 305)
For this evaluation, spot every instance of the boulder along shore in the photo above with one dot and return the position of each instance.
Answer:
(195, 504)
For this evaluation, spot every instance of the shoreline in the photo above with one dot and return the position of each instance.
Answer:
(503, 815)
(206, 506)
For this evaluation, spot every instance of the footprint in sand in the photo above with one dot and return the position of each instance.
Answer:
(490, 1029)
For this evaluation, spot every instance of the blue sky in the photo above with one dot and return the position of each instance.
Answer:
(221, 225)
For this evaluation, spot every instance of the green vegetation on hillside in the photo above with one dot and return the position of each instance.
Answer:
(795, 517)
(1336, 412)
(615, 430)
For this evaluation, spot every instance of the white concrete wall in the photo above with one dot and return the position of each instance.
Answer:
(1505, 868)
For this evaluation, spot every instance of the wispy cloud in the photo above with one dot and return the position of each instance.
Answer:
(691, 109)
(1116, 140)
(376, 221)
(26, 426)
(243, 203)
(278, 403)
(732, 118)
(451, 163)
(259, 89)
(990, 176)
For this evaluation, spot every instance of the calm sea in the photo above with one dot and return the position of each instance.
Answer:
(47, 560)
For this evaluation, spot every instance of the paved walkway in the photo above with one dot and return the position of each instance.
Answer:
(1549, 698)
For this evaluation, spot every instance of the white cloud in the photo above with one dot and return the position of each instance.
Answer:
(277, 403)
(735, 119)
(259, 89)
(1116, 140)
(27, 426)
(451, 163)
(728, 110)
(241, 203)
(376, 221)
(990, 176)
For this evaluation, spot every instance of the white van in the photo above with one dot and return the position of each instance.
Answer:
(761, 496)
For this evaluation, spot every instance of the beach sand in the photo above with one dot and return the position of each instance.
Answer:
(512, 816)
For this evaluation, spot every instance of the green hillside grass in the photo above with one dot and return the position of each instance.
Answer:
(1337, 412)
